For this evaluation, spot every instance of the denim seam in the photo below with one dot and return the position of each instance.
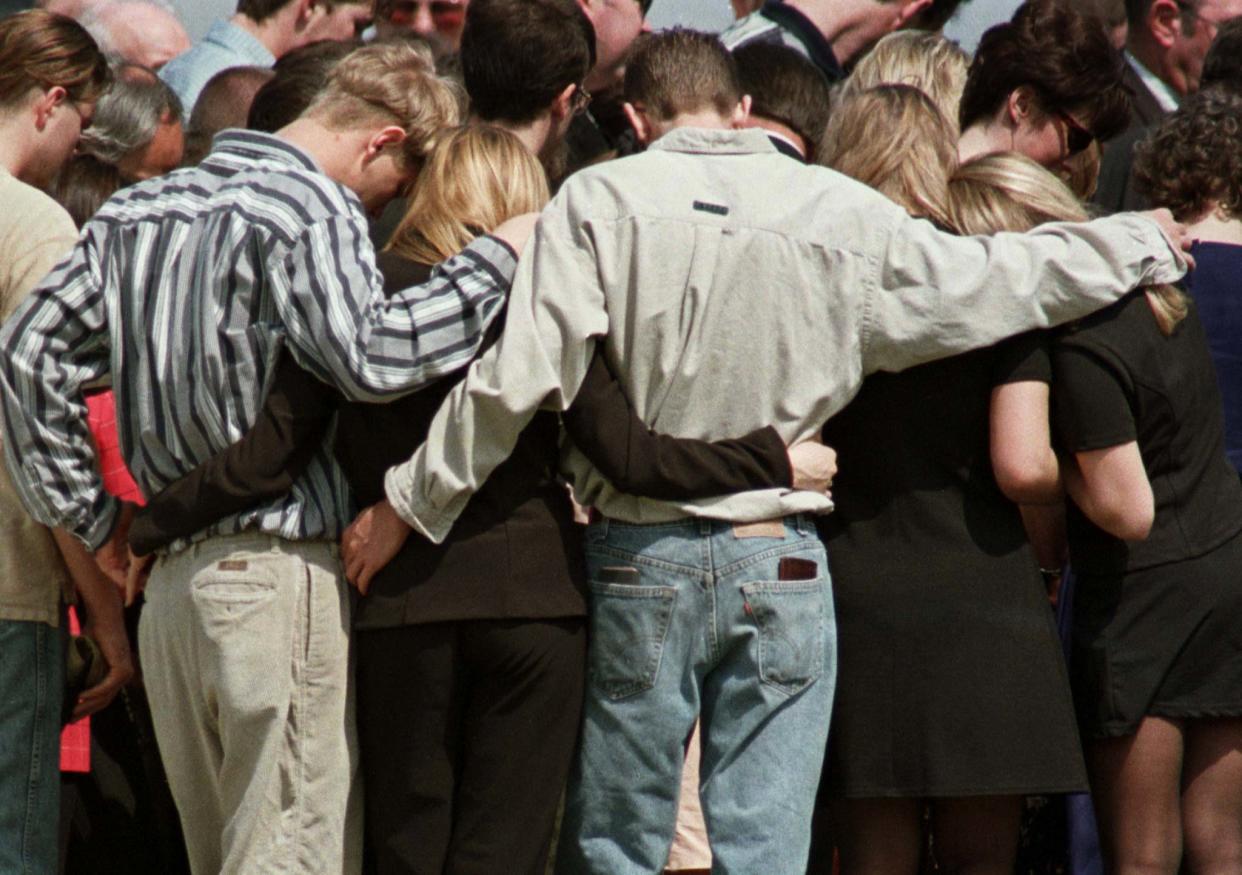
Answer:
(36, 745)
(612, 552)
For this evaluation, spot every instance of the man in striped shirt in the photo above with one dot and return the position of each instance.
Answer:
(185, 288)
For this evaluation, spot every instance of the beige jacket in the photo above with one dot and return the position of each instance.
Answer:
(35, 233)
(733, 288)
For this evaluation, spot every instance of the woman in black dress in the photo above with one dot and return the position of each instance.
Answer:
(951, 688)
(1155, 537)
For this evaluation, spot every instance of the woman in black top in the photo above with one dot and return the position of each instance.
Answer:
(470, 653)
(1155, 537)
(951, 688)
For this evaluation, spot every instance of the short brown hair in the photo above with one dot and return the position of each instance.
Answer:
(39, 49)
(894, 139)
(785, 87)
(680, 70)
(393, 82)
(517, 56)
(1193, 160)
(1063, 55)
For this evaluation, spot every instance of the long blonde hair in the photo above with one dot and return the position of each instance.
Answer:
(893, 138)
(934, 65)
(1005, 191)
(475, 178)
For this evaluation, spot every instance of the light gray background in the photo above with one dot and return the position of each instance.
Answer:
(972, 19)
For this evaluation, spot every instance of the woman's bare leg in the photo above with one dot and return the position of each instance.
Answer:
(877, 836)
(977, 835)
(1136, 786)
(1212, 796)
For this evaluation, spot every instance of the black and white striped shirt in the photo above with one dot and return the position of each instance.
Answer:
(185, 288)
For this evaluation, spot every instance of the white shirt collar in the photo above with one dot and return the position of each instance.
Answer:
(1168, 99)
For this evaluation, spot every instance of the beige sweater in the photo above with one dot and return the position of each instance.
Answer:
(733, 288)
(35, 233)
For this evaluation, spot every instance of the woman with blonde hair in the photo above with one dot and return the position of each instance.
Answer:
(471, 653)
(928, 61)
(1155, 538)
(894, 139)
(941, 612)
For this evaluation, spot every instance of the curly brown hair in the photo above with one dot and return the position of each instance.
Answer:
(1193, 161)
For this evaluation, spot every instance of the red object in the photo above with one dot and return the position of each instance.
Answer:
(101, 417)
(75, 739)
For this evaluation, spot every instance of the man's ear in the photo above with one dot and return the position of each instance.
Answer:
(46, 102)
(562, 104)
(639, 122)
(307, 11)
(392, 135)
(741, 113)
(1164, 22)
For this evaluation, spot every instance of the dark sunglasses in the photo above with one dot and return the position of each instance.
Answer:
(1077, 138)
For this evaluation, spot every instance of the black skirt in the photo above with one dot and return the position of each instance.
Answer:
(1163, 641)
(951, 683)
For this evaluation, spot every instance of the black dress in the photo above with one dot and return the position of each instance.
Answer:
(950, 680)
(1156, 622)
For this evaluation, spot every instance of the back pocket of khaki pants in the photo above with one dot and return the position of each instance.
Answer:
(790, 618)
(629, 626)
(233, 580)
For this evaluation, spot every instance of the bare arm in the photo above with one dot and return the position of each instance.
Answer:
(1023, 461)
(103, 621)
(1111, 488)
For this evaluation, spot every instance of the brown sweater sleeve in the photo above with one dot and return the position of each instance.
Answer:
(261, 466)
(602, 424)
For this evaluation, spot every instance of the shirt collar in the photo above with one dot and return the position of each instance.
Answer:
(818, 49)
(241, 42)
(713, 141)
(258, 146)
(1168, 99)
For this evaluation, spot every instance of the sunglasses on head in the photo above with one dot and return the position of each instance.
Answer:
(1077, 138)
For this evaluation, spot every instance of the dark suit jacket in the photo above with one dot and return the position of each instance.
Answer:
(1116, 192)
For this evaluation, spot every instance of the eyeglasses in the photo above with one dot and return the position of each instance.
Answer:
(1077, 138)
(579, 101)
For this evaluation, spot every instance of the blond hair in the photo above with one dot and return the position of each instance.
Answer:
(929, 62)
(394, 83)
(894, 139)
(476, 177)
(1006, 191)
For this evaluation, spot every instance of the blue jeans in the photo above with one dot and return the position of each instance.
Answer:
(687, 619)
(32, 678)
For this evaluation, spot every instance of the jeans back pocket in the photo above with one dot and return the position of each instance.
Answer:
(790, 618)
(629, 625)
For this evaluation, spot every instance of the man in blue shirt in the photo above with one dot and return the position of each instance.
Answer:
(260, 32)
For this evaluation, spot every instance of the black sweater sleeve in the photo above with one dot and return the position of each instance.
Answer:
(602, 424)
(261, 466)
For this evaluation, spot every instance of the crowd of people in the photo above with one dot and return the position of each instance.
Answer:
(491, 437)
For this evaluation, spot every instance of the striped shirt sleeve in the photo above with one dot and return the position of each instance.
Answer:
(55, 343)
(341, 328)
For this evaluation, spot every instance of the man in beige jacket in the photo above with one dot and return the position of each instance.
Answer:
(731, 288)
